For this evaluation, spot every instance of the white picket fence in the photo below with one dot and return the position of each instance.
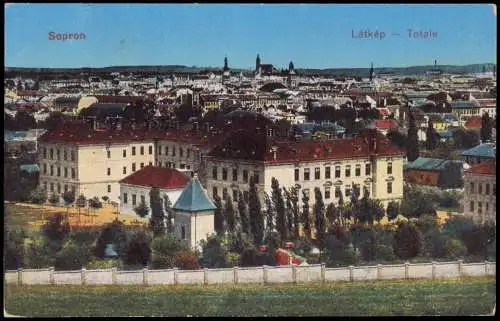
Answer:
(254, 275)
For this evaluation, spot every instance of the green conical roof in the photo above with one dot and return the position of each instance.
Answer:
(194, 198)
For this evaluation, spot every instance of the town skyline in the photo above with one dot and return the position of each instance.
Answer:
(312, 36)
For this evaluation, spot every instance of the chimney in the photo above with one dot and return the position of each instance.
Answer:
(274, 149)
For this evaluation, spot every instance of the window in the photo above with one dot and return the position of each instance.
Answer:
(65, 172)
(51, 170)
(472, 187)
(337, 192)
(58, 171)
(109, 171)
(214, 191)
(183, 166)
(235, 194)
(245, 196)
(487, 192)
(166, 150)
(494, 189)
(73, 173)
(306, 174)
(389, 168)
(45, 186)
(181, 152)
(65, 155)
(479, 188)
(133, 150)
(51, 187)
(183, 232)
(150, 163)
(245, 176)
(133, 167)
(125, 198)
(142, 150)
(159, 164)
(142, 165)
(235, 174)
(214, 173)
(317, 173)
(256, 177)
(348, 171)
(159, 150)
(479, 207)
(124, 153)
(188, 152)
(59, 188)
(389, 187)
(143, 199)
(109, 188)
(337, 171)
(45, 168)
(109, 153)
(358, 170)
(72, 156)
(327, 172)
(368, 169)
(224, 174)
(45, 153)
(124, 169)
(150, 150)
(65, 188)
(58, 153)
(134, 199)
(487, 207)
(327, 193)
(347, 191)
(224, 193)
(173, 151)
(51, 153)
(297, 173)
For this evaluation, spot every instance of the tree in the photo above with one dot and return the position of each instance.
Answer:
(294, 199)
(72, 256)
(219, 224)
(412, 151)
(105, 198)
(68, 197)
(81, 200)
(243, 211)
(254, 209)
(331, 214)
(431, 136)
(279, 207)
(416, 202)
(305, 215)
(24, 121)
(214, 252)
(54, 199)
(95, 203)
(112, 233)
(169, 214)
(142, 210)
(408, 241)
(13, 247)
(392, 210)
(486, 127)
(163, 250)
(39, 252)
(270, 214)
(187, 260)
(56, 228)
(319, 215)
(289, 212)
(157, 221)
(138, 249)
(38, 196)
(229, 214)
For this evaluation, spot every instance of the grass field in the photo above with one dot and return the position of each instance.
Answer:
(424, 297)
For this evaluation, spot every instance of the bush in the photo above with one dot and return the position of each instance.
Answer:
(232, 259)
(138, 249)
(56, 228)
(248, 257)
(115, 233)
(95, 264)
(303, 247)
(95, 202)
(38, 196)
(14, 248)
(385, 253)
(454, 249)
(426, 223)
(84, 237)
(39, 253)
(214, 252)
(72, 256)
(408, 241)
(163, 250)
(187, 260)
(80, 201)
(54, 199)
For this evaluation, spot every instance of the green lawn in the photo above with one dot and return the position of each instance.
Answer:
(474, 296)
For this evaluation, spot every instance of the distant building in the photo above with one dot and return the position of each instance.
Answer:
(436, 172)
(480, 153)
(480, 196)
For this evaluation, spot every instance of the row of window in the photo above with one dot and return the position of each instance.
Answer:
(58, 170)
(173, 151)
(124, 152)
(472, 188)
(327, 193)
(234, 175)
(58, 187)
(480, 207)
(58, 154)
(134, 199)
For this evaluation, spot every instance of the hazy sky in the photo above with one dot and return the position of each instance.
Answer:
(312, 36)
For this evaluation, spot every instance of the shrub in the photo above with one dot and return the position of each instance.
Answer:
(426, 223)
(81, 200)
(72, 256)
(68, 197)
(38, 196)
(214, 252)
(186, 260)
(84, 237)
(39, 253)
(95, 203)
(14, 248)
(248, 257)
(408, 241)
(138, 249)
(454, 249)
(95, 264)
(56, 228)
(115, 233)
(303, 247)
(163, 250)
(385, 253)
(54, 199)
(232, 259)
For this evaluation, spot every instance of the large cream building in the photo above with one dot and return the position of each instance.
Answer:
(480, 197)
(332, 165)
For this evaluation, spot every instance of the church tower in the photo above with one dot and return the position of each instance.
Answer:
(257, 63)
(226, 74)
(371, 72)
(291, 75)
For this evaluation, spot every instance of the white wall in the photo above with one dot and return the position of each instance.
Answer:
(139, 191)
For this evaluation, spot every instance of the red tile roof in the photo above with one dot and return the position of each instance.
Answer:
(164, 178)
(487, 168)
(487, 102)
(385, 124)
(27, 93)
(118, 99)
(473, 122)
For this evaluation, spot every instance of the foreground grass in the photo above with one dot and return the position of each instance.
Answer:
(474, 296)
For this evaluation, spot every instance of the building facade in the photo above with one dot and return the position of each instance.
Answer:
(480, 197)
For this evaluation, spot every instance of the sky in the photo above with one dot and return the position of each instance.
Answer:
(312, 35)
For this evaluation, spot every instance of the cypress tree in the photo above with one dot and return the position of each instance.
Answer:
(254, 210)
(431, 136)
(243, 211)
(294, 198)
(269, 214)
(157, 221)
(486, 128)
(305, 215)
(219, 225)
(289, 212)
(229, 214)
(412, 151)
(169, 213)
(279, 207)
(319, 214)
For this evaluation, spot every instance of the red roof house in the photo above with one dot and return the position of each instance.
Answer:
(473, 123)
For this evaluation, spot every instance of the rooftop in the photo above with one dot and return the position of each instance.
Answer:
(430, 164)
(164, 178)
(482, 150)
(487, 168)
(194, 198)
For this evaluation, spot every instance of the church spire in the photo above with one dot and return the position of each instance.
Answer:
(371, 72)
(226, 67)
(257, 63)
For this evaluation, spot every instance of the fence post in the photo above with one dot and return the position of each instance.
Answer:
(235, 274)
(175, 276)
(323, 273)
(351, 273)
(83, 276)
(114, 278)
(264, 273)
(460, 267)
(51, 276)
(20, 276)
(407, 266)
(433, 270)
(145, 275)
(205, 276)
(485, 268)
(379, 271)
(294, 274)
